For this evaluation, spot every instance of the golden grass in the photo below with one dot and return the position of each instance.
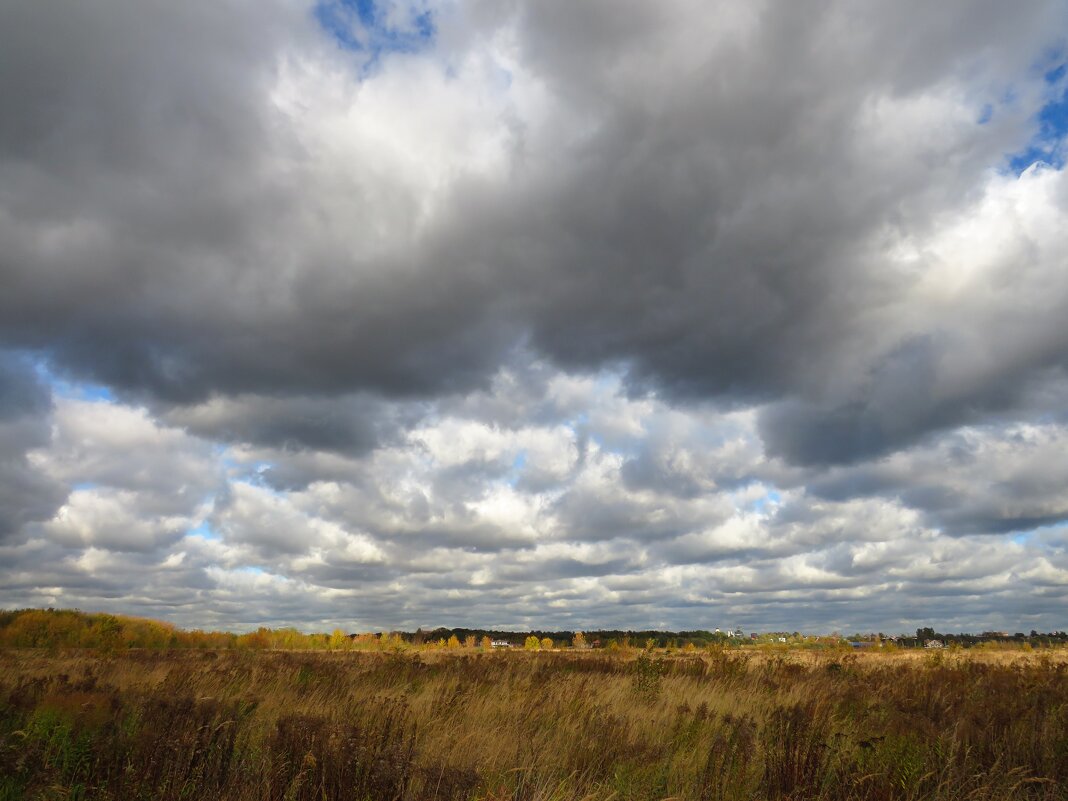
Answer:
(727, 724)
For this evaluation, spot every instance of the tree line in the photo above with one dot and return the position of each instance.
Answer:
(72, 628)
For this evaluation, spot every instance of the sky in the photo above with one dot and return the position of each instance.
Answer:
(540, 314)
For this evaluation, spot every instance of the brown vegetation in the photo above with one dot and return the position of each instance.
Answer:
(456, 724)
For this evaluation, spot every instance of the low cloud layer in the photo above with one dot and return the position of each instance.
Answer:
(678, 315)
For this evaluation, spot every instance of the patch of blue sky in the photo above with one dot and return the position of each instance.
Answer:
(579, 425)
(64, 388)
(251, 569)
(760, 505)
(578, 420)
(75, 390)
(1051, 125)
(254, 473)
(374, 28)
(516, 471)
(1037, 535)
(226, 459)
(1057, 74)
(610, 380)
(84, 486)
(86, 392)
(203, 530)
(258, 481)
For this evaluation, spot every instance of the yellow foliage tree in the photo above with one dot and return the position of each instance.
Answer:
(487, 643)
(547, 644)
(454, 642)
(338, 640)
(579, 640)
(532, 643)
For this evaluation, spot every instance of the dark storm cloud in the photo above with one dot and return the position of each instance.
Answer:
(22, 393)
(733, 201)
(156, 238)
(345, 424)
(706, 223)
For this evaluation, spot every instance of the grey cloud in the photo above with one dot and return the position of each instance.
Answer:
(26, 493)
(347, 424)
(112, 521)
(990, 479)
(121, 448)
(703, 232)
(22, 392)
(152, 241)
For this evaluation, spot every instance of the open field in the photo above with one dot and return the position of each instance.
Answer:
(466, 724)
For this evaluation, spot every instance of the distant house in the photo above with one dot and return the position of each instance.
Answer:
(933, 644)
(500, 644)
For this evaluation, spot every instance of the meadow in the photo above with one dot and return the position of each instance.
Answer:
(470, 723)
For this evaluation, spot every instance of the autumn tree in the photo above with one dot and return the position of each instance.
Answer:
(108, 633)
(392, 641)
(579, 640)
(338, 640)
(487, 643)
(532, 643)
(547, 644)
(257, 639)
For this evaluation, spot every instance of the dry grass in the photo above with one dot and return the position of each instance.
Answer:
(774, 724)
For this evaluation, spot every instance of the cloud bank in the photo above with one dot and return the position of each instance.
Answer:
(620, 314)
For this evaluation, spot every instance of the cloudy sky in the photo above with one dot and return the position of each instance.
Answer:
(674, 314)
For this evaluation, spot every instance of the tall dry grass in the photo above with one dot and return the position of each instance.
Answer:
(719, 725)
